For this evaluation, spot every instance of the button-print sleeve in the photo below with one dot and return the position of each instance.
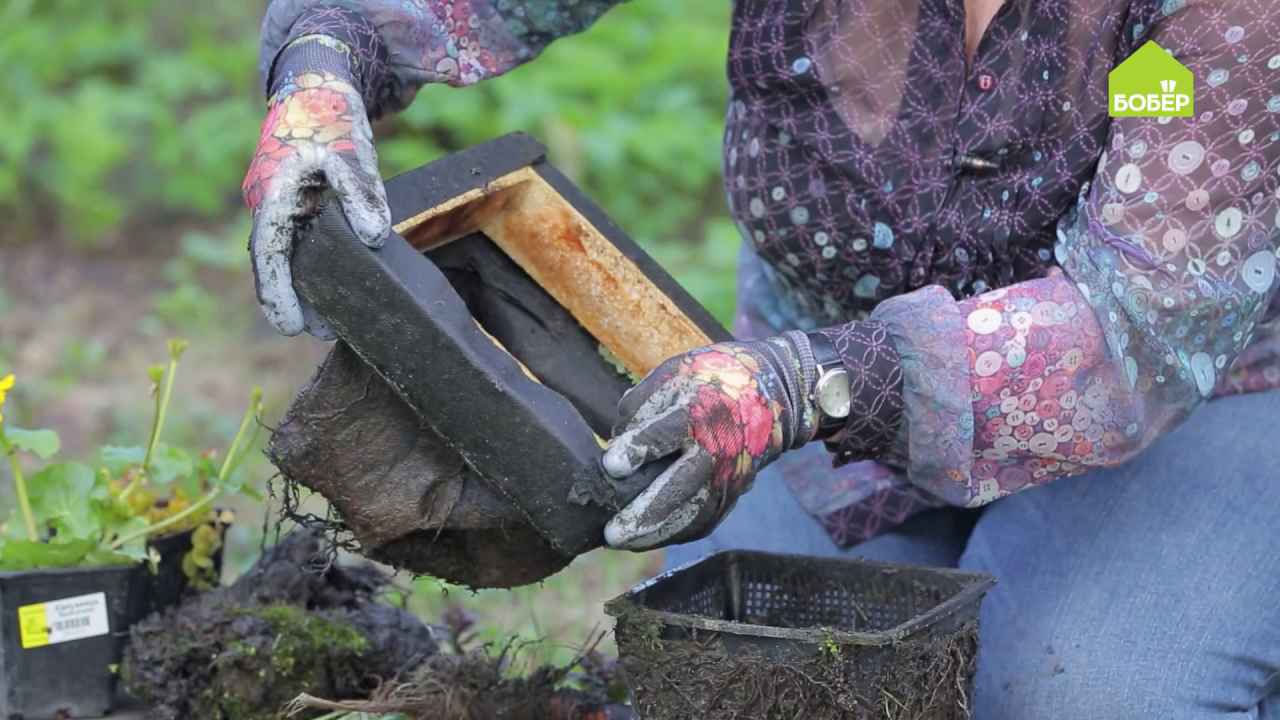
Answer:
(405, 44)
(1168, 264)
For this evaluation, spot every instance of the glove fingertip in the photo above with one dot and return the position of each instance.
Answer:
(286, 323)
(616, 461)
(616, 536)
(371, 225)
(375, 236)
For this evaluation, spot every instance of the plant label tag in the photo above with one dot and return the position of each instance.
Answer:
(57, 621)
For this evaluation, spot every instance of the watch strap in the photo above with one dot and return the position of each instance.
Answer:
(824, 351)
(805, 412)
(826, 359)
(870, 357)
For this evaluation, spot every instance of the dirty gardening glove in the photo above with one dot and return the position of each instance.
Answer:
(316, 136)
(728, 410)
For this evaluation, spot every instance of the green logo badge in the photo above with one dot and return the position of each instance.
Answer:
(1151, 84)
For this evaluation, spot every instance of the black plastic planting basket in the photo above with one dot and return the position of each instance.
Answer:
(757, 635)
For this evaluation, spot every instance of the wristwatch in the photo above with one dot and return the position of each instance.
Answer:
(831, 393)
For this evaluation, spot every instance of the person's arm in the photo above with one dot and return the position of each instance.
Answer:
(404, 44)
(328, 67)
(1169, 260)
(1169, 263)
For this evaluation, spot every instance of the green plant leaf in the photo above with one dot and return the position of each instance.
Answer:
(169, 464)
(27, 555)
(60, 497)
(13, 528)
(137, 549)
(44, 444)
(117, 458)
(98, 557)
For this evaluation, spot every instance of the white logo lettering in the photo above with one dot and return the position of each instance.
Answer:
(1163, 104)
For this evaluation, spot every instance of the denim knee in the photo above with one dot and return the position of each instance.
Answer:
(1137, 592)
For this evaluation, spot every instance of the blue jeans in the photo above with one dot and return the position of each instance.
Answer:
(1151, 590)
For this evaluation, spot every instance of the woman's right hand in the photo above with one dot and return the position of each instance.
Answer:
(316, 136)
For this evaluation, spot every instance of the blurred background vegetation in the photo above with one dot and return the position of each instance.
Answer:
(128, 126)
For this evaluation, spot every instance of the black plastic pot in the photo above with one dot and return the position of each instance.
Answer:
(168, 585)
(77, 678)
(70, 679)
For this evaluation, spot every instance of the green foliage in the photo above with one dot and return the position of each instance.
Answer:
(58, 498)
(706, 269)
(27, 555)
(191, 303)
(80, 358)
(167, 465)
(41, 443)
(141, 111)
(126, 106)
(70, 515)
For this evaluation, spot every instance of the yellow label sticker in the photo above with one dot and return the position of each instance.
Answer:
(33, 626)
(64, 620)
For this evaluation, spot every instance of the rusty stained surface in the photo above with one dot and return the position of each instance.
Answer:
(462, 215)
(570, 259)
(566, 255)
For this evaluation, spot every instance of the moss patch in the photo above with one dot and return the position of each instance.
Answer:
(243, 652)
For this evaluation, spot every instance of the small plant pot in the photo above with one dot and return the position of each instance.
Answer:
(753, 635)
(67, 669)
(76, 678)
(168, 585)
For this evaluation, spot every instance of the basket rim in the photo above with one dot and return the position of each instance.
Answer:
(975, 586)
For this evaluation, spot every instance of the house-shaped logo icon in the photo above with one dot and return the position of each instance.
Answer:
(1151, 83)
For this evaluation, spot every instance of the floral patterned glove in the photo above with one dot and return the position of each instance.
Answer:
(728, 409)
(316, 136)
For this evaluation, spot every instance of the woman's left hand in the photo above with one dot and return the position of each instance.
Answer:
(729, 409)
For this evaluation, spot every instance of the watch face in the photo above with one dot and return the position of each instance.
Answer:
(832, 393)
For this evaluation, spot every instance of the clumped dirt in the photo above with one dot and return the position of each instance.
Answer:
(701, 676)
(294, 623)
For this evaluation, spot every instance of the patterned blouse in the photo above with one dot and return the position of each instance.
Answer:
(1022, 287)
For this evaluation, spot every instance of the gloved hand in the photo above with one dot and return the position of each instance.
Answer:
(316, 136)
(729, 409)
